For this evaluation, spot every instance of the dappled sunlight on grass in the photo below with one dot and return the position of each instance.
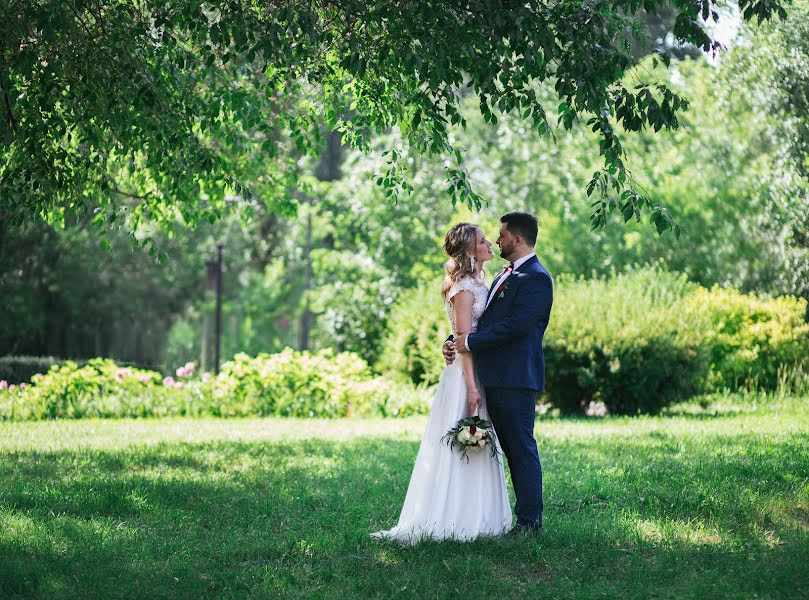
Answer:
(386, 557)
(795, 517)
(271, 508)
(54, 435)
(674, 532)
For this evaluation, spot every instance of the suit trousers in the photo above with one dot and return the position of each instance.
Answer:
(513, 412)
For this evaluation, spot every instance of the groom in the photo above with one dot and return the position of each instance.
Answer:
(507, 348)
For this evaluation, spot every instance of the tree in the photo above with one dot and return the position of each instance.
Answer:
(175, 110)
(64, 296)
(772, 66)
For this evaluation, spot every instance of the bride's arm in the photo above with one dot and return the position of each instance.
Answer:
(462, 302)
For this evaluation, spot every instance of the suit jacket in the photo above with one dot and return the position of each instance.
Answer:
(507, 346)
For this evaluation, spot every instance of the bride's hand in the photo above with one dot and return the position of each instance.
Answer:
(473, 400)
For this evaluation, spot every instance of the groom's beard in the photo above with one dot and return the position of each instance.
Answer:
(506, 251)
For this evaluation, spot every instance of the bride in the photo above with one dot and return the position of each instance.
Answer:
(449, 497)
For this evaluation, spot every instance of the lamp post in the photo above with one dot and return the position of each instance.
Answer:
(306, 320)
(218, 319)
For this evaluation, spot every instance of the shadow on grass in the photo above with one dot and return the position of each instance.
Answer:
(639, 517)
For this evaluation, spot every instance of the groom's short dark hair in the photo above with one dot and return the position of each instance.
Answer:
(522, 224)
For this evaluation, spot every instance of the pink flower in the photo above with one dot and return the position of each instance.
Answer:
(168, 381)
(186, 370)
(144, 378)
(11, 387)
(122, 373)
(22, 385)
(206, 376)
(3, 384)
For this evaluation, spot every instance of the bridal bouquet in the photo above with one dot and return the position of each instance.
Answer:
(472, 433)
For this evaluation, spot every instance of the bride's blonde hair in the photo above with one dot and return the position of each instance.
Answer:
(459, 240)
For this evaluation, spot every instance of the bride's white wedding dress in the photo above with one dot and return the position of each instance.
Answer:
(448, 497)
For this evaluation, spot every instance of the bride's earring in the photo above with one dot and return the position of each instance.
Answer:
(472, 262)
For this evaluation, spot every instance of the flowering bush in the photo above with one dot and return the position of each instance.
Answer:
(98, 389)
(383, 397)
(304, 384)
(290, 383)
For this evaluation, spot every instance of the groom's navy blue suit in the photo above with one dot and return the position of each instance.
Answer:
(507, 349)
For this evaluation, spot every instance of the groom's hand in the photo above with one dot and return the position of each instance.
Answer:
(448, 350)
(460, 343)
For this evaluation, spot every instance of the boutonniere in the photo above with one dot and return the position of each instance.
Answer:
(501, 291)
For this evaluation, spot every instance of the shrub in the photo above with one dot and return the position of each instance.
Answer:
(352, 302)
(755, 343)
(290, 384)
(20, 369)
(418, 325)
(101, 388)
(627, 341)
(304, 384)
(298, 384)
(384, 397)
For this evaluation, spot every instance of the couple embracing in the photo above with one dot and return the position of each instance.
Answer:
(495, 368)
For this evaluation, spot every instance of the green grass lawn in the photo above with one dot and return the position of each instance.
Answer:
(695, 505)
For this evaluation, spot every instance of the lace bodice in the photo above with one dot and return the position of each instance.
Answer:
(480, 291)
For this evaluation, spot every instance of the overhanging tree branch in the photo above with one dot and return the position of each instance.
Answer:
(362, 66)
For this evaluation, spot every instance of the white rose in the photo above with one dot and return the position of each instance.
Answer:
(481, 443)
(463, 435)
(480, 433)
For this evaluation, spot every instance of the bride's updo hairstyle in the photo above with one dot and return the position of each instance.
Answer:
(458, 241)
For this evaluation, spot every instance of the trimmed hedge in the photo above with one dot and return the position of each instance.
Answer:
(20, 369)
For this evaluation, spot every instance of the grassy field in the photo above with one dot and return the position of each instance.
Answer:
(697, 505)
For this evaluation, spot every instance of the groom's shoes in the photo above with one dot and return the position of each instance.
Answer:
(520, 529)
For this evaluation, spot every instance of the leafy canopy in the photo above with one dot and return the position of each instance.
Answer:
(173, 109)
